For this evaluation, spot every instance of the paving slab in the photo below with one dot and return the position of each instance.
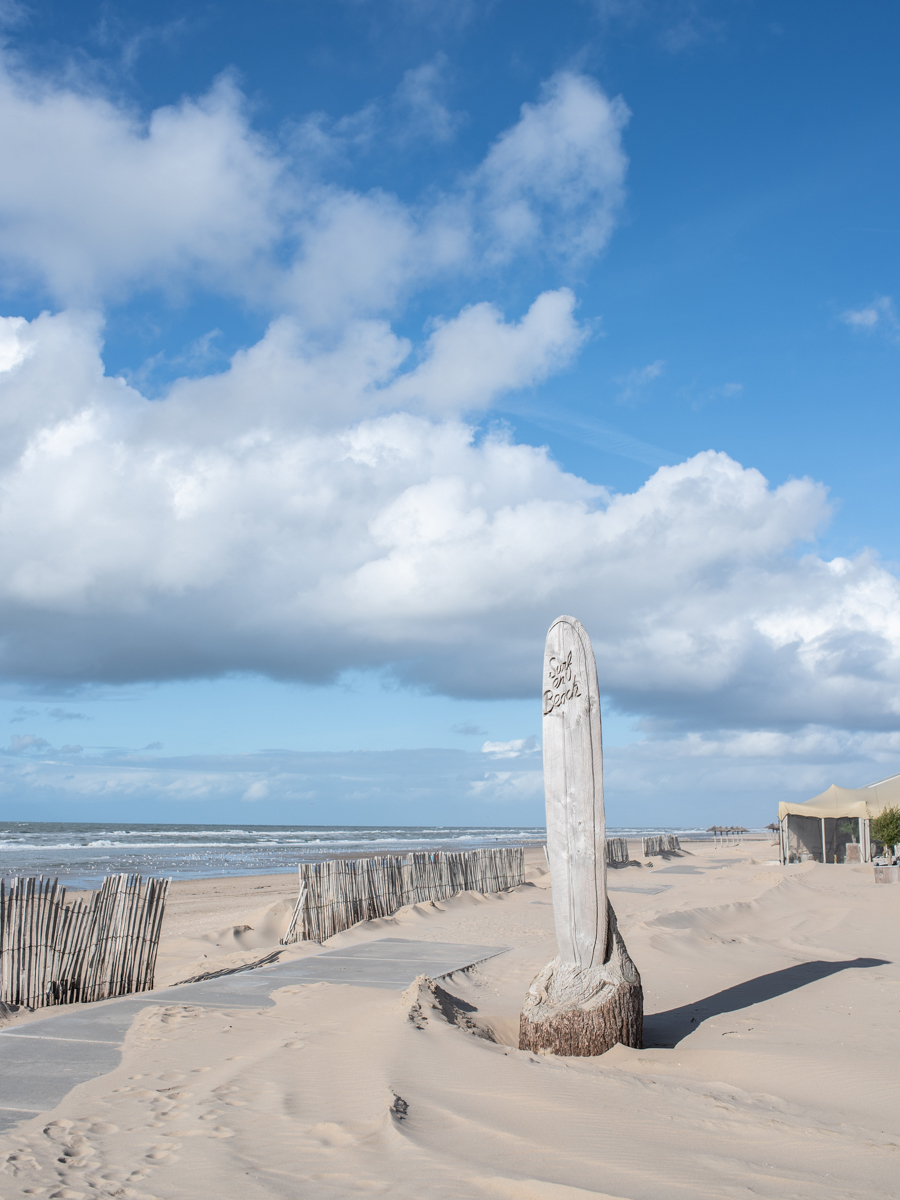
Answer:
(42, 1061)
(679, 869)
(403, 948)
(644, 891)
(386, 963)
(108, 1021)
(37, 1072)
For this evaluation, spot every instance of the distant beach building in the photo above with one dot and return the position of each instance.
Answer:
(833, 827)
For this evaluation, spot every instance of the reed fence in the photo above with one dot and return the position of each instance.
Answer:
(660, 843)
(617, 850)
(54, 952)
(341, 892)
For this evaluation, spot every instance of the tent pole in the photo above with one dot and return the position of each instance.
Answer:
(823, 840)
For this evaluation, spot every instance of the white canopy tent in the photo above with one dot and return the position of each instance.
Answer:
(834, 826)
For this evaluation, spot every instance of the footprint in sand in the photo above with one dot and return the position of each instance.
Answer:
(19, 1161)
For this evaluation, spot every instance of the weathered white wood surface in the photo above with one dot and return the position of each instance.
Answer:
(573, 794)
(589, 998)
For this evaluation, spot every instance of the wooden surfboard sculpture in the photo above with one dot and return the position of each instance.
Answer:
(589, 997)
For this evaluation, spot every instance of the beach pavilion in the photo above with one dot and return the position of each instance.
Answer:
(833, 827)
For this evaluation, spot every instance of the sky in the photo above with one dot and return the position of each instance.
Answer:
(344, 346)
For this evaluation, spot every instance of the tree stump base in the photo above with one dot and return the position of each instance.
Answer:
(581, 1011)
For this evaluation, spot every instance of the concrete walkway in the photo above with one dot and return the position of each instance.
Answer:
(42, 1061)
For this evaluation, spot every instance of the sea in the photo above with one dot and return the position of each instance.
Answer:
(81, 854)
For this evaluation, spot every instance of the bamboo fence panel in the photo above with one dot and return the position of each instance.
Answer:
(660, 843)
(339, 893)
(53, 952)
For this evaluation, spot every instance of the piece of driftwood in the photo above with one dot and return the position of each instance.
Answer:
(266, 961)
(53, 952)
(339, 893)
(589, 997)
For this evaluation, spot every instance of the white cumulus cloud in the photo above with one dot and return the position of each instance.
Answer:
(557, 176)
(104, 201)
(100, 200)
(314, 509)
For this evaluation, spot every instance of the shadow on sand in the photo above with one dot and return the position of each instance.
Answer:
(667, 1029)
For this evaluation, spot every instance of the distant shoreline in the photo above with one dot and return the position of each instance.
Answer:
(81, 854)
(275, 873)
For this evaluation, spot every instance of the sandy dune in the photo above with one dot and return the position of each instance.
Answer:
(773, 997)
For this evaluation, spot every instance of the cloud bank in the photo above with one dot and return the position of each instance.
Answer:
(309, 511)
(710, 778)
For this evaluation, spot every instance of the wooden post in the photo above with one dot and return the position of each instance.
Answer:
(588, 998)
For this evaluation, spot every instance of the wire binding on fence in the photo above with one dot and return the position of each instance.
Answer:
(660, 843)
(52, 952)
(339, 893)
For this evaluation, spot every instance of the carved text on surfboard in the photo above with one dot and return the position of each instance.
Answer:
(563, 683)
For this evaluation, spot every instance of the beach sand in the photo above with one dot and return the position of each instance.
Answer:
(769, 1068)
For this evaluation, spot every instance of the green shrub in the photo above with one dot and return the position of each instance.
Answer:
(886, 827)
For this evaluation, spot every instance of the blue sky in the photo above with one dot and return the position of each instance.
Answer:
(344, 346)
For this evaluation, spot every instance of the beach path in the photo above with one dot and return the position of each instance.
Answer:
(42, 1061)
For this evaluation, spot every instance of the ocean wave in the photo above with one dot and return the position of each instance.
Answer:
(106, 845)
(309, 844)
(82, 854)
